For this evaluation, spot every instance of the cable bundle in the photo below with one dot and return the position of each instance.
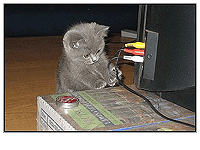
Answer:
(116, 58)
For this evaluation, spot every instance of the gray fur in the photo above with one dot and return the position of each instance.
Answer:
(83, 64)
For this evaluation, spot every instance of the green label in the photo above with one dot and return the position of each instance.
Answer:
(84, 118)
(90, 113)
(99, 107)
(81, 115)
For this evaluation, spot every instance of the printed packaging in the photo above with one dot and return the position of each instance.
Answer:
(110, 109)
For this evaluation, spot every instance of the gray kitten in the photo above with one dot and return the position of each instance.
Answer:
(84, 64)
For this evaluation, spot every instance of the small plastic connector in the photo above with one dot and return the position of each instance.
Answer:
(136, 45)
(139, 52)
(134, 58)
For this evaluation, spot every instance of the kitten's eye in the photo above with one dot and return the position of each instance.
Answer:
(98, 51)
(86, 56)
(75, 45)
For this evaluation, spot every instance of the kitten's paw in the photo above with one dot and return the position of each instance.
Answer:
(113, 72)
(112, 79)
(112, 82)
(99, 84)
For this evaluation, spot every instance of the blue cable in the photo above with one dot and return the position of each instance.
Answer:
(149, 124)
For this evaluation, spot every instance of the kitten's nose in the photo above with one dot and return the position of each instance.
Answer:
(94, 58)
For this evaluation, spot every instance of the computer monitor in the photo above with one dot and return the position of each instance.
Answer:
(169, 61)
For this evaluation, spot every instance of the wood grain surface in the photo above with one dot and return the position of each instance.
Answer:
(30, 66)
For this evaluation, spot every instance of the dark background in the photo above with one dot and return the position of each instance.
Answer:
(49, 20)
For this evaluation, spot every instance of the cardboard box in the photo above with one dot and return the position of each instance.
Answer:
(110, 109)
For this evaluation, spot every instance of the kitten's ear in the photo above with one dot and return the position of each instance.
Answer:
(71, 39)
(102, 30)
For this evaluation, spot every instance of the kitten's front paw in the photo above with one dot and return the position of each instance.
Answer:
(112, 79)
(99, 84)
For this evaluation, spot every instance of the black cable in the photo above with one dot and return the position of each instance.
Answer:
(145, 98)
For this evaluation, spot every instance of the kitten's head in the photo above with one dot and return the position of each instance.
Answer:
(84, 42)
